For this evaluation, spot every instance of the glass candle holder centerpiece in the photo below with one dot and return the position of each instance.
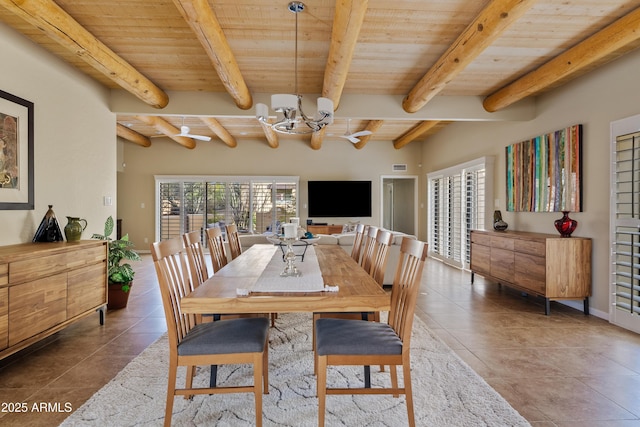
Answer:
(289, 236)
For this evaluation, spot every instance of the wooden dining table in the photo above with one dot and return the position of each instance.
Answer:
(357, 290)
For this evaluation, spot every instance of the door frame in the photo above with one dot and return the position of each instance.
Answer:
(415, 198)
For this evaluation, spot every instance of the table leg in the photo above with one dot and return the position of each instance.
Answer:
(214, 376)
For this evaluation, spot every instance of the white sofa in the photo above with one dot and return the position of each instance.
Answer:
(346, 242)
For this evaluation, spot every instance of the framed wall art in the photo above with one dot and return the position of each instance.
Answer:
(544, 174)
(16, 153)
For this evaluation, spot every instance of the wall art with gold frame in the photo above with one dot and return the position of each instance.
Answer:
(544, 174)
(16, 153)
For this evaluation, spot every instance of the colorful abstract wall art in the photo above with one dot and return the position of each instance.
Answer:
(544, 173)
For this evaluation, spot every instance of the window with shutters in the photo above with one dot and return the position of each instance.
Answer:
(255, 204)
(456, 206)
(626, 231)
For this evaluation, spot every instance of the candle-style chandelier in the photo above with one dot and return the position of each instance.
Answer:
(293, 120)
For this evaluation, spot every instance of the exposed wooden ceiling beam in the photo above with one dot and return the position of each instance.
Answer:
(205, 25)
(615, 39)
(52, 20)
(317, 137)
(414, 133)
(270, 134)
(347, 22)
(167, 129)
(372, 126)
(220, 131)
(133, 136)
(497, 16)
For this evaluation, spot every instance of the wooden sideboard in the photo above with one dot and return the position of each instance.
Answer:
(546, 265)
(324, 229)
(44, 287)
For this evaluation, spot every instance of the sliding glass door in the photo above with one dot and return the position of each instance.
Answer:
(254, 204)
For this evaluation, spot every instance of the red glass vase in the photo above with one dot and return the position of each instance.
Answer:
(565, 225)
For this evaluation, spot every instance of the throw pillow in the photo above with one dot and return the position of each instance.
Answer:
(350, 227)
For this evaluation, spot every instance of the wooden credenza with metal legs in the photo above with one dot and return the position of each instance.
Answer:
(545, 265)
(45, 287)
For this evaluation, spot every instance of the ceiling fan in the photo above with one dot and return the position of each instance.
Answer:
(353, 137)
(184, 131)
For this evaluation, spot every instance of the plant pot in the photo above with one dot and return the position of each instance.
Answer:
(117, 297)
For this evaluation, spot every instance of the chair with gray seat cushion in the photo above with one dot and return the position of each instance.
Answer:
(191, 344)
(354, 342)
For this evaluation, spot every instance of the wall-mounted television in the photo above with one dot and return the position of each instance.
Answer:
(339, 198)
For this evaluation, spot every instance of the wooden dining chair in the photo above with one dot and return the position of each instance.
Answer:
(368, 246)
(234, 241)
(354, 342)
(191, 344)
(215, 241)
(356, 251)
(195, 256)
(379, 255)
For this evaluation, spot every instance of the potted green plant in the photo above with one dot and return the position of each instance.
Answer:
(120, 274)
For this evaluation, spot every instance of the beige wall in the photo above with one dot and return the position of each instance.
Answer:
(595, 100)
(337, 159)
(74, 139)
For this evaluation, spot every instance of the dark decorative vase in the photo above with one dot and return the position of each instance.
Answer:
(565, 225)
(49, 230)
(498, 223)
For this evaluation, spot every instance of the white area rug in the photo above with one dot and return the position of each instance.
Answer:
(446, 391)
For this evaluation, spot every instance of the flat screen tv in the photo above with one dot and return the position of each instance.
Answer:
(339, 198)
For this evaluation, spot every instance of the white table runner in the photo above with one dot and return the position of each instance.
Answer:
(310, 280)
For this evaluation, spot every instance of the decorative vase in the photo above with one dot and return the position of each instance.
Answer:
(49, 230)
(565, 225)
(498, 223)
(73, 229)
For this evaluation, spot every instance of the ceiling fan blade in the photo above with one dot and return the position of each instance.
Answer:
(184, 131)
(199, 137)
(351, 138)
(362, 133)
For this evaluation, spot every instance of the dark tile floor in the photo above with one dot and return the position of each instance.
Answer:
(566, 369)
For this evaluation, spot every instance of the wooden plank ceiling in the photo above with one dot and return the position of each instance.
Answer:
(411, 50)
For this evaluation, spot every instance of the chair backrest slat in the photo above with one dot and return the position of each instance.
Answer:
(174, 278)
(215, 240)
(405, 287)
(369, 244)
(380, 255)
(234, 241)
(356, 251)
(195, 255)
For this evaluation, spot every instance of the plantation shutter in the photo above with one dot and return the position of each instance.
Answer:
(456, 206)
(474, 206)
(626, 244)
(255, 204)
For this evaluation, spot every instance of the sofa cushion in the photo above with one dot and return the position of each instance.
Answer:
(248, 240)
(327, 239)
(346, 239)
